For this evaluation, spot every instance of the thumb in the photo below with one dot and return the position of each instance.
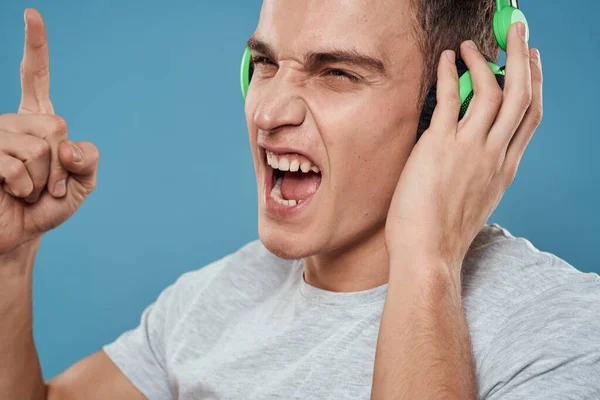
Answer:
(81, 160)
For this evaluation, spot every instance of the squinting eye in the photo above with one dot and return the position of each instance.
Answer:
(261, 60)
(340, 74)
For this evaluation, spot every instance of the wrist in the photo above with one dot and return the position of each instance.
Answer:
(19, 261)
(425, 270)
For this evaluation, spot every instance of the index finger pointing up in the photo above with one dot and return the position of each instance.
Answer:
(35, 68)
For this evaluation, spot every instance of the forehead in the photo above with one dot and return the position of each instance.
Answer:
(380, 27)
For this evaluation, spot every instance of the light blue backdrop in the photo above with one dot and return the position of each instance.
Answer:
(155, 85)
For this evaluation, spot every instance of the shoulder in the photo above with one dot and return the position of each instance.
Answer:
(498, 262)
(506, 276)
(534, 319)
(507, 269)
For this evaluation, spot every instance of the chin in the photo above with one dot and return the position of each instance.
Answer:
(286, 245)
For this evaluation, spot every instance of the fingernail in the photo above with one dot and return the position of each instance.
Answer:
(535, 56)
(451, 55)
(522, 29)
(76, 153)
(471, 44)
(60, 188)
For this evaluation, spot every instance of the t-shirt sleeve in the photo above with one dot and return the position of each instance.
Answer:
(142, 353)
(548, 349)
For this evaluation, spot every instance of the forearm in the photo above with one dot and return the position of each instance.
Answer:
(423, 349)
(20, 373)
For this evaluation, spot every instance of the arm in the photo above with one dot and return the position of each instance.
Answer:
(423, 350)
(95, 377)
(453, 180)
(35, 196)
(20, 374)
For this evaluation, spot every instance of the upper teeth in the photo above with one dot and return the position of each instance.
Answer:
(290, 162)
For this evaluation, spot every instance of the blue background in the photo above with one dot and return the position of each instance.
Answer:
(154, 85)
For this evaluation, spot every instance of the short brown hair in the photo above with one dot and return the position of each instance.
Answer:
(445, 24)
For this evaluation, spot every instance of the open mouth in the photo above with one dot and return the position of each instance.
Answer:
(294, 178)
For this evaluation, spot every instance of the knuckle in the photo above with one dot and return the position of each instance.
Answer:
(510, 172)
(58, 126)
(525, 98)
(496, 164)
(494, 95)
(537, 113)
(453, 103)
(14, 170)
(94, 154)
(522, 97)
(42, 73)
(495, 159)
(27, 190)
(39, 149)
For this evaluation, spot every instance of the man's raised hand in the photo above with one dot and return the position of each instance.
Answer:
(44, 177)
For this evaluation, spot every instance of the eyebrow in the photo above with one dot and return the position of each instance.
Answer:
(314, 59)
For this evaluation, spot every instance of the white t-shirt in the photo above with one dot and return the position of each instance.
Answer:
(248, 326)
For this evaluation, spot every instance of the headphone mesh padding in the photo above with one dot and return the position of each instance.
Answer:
(431, 101)
(464, 106)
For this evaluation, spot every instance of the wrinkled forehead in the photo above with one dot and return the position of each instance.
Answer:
(380, 28)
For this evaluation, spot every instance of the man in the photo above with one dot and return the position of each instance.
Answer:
(373, 276)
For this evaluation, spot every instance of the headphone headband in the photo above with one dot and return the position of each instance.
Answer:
(502, 4)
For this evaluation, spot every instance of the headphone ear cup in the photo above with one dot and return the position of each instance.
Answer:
(246, 70)
(427, 111)
(502, 21)
(431, 99)
(465, 105)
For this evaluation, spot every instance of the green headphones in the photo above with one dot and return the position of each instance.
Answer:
(507, 13)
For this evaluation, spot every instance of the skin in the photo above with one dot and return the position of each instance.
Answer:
(350, 238)
(423, 348)
(35, 154)
(413, 225)
(359, 133)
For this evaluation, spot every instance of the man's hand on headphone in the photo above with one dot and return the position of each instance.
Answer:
(458, 172)
(44, 177)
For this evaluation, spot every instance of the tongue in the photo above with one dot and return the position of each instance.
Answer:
(299, 185)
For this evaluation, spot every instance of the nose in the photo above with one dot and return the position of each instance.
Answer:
(279, 105)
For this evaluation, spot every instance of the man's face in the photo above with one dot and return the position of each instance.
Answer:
(335, 91)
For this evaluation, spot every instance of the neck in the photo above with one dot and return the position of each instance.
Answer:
(358, 266)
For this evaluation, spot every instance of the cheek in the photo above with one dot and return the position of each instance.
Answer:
(367, 147)
(369, 141)
(249, 110)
